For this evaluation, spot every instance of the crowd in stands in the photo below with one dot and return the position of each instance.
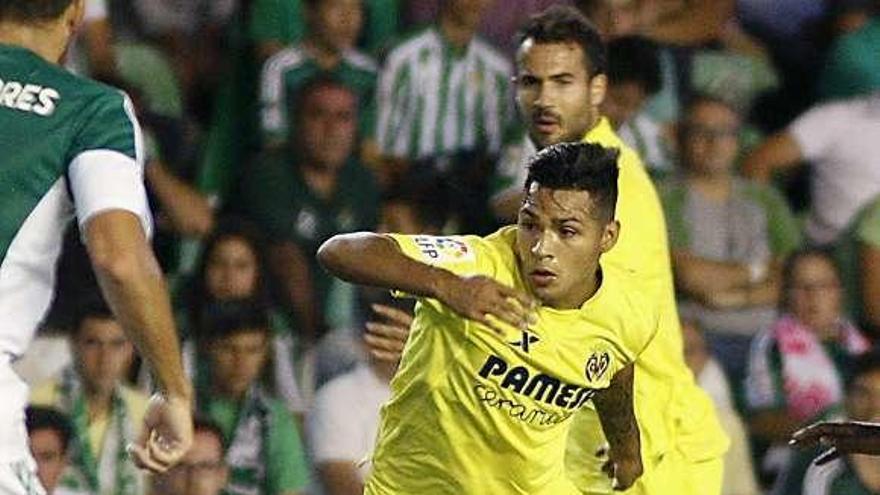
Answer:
(271, 125)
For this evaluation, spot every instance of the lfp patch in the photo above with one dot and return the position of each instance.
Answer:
(444, 249)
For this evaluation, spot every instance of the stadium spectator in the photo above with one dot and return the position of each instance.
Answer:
(739, 473)
(852, 66)
(444, 90)
(91, 52)
(49, 434)
(798, 365)
(105, 413)
(233, 267)
(275, 24)
(633, 77)
(848, 474)
(262, 447)
(839, 140)
(300, 198)
(327, 49)
(202, 471)
(728, 235)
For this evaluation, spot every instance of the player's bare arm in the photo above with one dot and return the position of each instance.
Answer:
(132, 283)
(843, 437)
(376, 260)
(615, 407)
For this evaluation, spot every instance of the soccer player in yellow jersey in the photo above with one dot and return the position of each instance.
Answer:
(560, 86)
(489, 381)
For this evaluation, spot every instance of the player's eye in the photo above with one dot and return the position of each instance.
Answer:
(527, 81)
(568, 232)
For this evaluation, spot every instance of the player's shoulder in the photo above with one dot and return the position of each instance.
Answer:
(625, 294)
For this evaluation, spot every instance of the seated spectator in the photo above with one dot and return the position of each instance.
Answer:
(728, 235)
(852, 66)
(340, 441)
(443, 90)
(327, 50)
(202, 471)
(798, 365)
(50, 433)
(105, 414)
(850, 474)
(301, 197)
(633, 77)
(839, 140)
(739, 474)
(233, 267)
(262, 448)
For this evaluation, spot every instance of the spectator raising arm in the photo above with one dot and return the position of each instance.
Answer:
(778, 153)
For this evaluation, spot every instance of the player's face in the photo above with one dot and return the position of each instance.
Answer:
(863, 398)
(103, 354)
(237, 361)
(709, 139)
(231, 270)
(202, 471)
(328, 127)
(48, 451)
(559, 241)
(467, 13)
(338, 22)
(555, 94)
(814, 293)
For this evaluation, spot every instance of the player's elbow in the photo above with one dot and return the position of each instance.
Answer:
(333, 252)
(114, 265)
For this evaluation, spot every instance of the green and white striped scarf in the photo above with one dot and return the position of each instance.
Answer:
(113, 473)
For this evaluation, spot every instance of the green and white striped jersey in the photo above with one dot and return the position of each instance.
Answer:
(68, 146)
(289, 70)
(838, 477)
(433, 99)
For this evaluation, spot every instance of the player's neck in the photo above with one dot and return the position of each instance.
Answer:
(48, 41)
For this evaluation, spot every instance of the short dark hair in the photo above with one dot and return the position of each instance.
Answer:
(864, 364)
(581, 167)
(222, 319)
(94, 307)
(32, 11)
(565, 24)
(47, 418)
(634, 59)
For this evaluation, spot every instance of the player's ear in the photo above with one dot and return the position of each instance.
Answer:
(598, 88)
(609, 235)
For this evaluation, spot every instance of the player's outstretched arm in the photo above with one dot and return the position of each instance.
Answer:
(132, 283)
(842, 437)
(615, 407)
(373, 259)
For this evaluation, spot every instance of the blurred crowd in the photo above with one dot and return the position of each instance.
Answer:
(271, 125)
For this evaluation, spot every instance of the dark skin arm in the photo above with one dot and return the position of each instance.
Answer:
(376, 260)
(615, 407)
(774, 425)
(851, 437)
(340, 478)
(292, 268)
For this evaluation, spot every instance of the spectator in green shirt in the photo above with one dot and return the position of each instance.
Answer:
(303, 196)
(262, 443)
(327, 49)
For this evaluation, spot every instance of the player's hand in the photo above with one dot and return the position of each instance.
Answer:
(386, 338)
(623, 470)
(840, 437)
(484, 300)
(167, 434)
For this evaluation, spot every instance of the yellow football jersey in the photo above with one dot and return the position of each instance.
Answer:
(474, 412)
(665, 389)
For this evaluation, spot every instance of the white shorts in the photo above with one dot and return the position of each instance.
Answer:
(20, 478)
